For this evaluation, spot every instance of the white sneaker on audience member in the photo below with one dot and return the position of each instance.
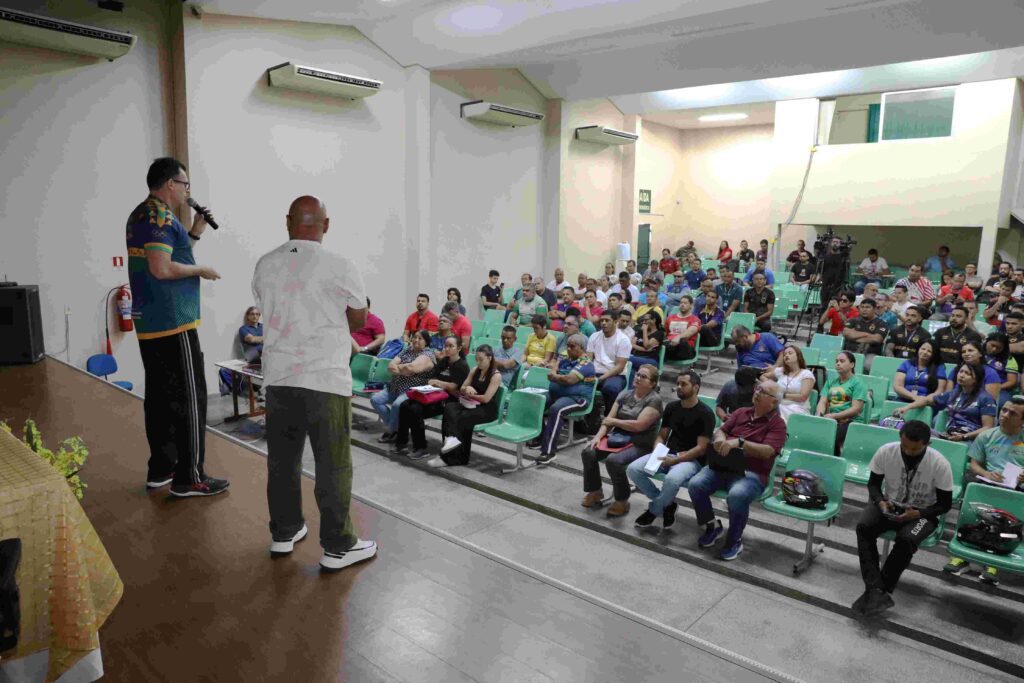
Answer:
(360, 552)
(450, 444)
(284, 547)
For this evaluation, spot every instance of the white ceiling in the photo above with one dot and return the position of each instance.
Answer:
(576, 49)
(757, 114)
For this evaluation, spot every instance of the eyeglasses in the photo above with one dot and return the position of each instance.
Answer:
(187, 184)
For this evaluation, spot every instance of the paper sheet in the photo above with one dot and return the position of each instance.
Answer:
(657, 455)
(1011, 473)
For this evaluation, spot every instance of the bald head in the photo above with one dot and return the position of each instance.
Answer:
(307, 219)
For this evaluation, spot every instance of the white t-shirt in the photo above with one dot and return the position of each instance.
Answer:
(873, 269)
(604, 350)
(933, 473)
(303, 291)
(900, 309)
(793, 385)
(557, 288)
(634, 292)
(602, 298)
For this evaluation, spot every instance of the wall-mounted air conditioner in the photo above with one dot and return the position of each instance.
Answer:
(65, 36)
(479, 110)
(605, 136)
(321, 81)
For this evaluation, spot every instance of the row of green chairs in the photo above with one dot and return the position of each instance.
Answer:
(366, 368)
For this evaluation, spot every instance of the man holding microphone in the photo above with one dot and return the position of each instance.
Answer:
(164, 280)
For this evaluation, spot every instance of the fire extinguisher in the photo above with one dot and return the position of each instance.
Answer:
(124, 309)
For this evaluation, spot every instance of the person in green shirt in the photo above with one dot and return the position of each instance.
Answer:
(843, 398)
(527, 307)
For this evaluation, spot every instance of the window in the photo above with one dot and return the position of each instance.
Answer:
(917, 114)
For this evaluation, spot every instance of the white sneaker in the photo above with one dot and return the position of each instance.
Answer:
(437, 462)
(279, 548)
(450, 444)
(360, 552)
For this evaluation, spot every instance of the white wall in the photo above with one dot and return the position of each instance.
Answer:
(76, 138)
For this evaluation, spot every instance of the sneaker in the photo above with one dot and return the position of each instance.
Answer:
(990, 576)
(450, 444)
(956, 566)
(668, 517)
(400, 448)
(159, 482)
(858, 604)
(419, 454)
(207, 487)
(437, 463)
(386, 437)
(360, 552)
(545, 458)
(533, 443)
(286, 546)
(877, 602)
(645, 520)
(712, 532)
(732, 552)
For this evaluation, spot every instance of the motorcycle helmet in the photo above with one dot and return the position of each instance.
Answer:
(804, 489)
(993, 530)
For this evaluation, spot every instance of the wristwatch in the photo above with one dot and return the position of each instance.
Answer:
(742, 441)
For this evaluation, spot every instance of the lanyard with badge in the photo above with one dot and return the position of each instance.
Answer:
(908, 476)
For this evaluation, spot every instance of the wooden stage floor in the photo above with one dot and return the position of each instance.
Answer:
(204, 602)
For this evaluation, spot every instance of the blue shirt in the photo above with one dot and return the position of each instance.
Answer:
(662, 301)
(1001, 369)
(762, 353)
(726, 295)
(582, 367)
(694, 278)
(916, 380)
(768, 274)
(964, 414)
(512, 354)
(933, 265)
(246, 330)
(705, 318)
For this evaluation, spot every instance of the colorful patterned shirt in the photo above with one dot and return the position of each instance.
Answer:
(160, 308)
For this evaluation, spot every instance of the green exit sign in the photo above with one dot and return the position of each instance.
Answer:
(645, 201)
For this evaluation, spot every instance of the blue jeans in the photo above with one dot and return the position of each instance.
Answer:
(610, 390)
(675, 478)
(387, 407)
(742, 490)
(637, 361)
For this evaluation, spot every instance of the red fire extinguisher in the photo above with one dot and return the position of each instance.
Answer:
(124, 309)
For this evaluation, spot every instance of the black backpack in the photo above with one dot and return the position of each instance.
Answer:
(590, 424)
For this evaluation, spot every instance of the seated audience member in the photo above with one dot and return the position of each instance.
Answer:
(952, 338)
(572, 326)
(647, 340)
(420, 319)
(449, 374)
(713, 278)
(919, 288)
(250, 336)
(599, 289)
(676, 290)
(571, 386)
(477, 405)
(758, 433)
(581, 286)
(524, 280)
(370, 337)
(803, 272)
(444, 329)
(843, 397)
(682, 328)
(409, 369)
(584, 326)
(549, 296)
(989, 454)
(724, 254)
(557, 313)
(540, 346)
(506, 357)
(795, 380)
(711, 320)
(609, 270)
(635, 278)
(866, 333)
(801, 248)
(461, 327)
(686, 430)
(940, 262)
(610, 350)
(905, 339)
(974, 355)
(1014, 323)
(559, 283)
(730, 293)
(757, 350)
(745, 254)
(922, 375)
(838, 312)
(454, 295)
(760, 268)
(871, 269)
(624, 322)
(762, 253)
(590, 308)
(998, 359)
(738, 392)
(971, 409)
(972, 314)
(991, 287)
(635, 414)
(885, 313)
(901, 302)
(999, 305)
(760, 301)
(700, 296)
(669, 264)
(490, 294)
(527, 307)
(617, 304)
(952, 295)
(686, 252)
(653, 272)
(652, 293)
(894, 505)
(626, 288)
(973, 279)
(870, 291)
(651, 305)
(694, 275)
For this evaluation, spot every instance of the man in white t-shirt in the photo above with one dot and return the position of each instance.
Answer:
(623, 286)
(901, 302)
(610, 350)
(870, 269)
(311, 299)
(911, 486)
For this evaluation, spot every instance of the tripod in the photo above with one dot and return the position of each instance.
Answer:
(826, 290)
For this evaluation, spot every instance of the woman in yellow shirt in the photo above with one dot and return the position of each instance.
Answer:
(540, 346)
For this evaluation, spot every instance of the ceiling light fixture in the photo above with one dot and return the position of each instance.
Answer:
(722, 117)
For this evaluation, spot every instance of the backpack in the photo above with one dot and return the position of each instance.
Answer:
(590, 424)
(391, 349)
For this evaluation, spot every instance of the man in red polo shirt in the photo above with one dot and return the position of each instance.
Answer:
(839, 311)
(370, 337)
(420, 319)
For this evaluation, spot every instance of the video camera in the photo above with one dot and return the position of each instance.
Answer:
(823, 241)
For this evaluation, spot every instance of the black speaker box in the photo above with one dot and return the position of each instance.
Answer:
(21, 325)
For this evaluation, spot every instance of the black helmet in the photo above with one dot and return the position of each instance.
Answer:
(994, 530)
(804, 489)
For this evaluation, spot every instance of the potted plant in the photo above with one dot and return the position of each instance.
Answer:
(68, 459)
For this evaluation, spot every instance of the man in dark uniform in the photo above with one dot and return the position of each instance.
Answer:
(905, 340)
(760, 301)
(951, 339)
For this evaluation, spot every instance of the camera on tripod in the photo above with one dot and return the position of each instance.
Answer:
(822, 245)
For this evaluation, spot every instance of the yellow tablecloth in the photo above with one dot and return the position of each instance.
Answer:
(68, 584)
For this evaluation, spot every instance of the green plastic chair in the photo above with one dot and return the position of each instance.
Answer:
(683, 363)
(1004, 499)
(941, 421)
(479, 327)
(708, 351)
(576, 415)
(494, 329)
(924, 413)
(477, 342)
(507, 294)
(809, 433)
(361, 366)
(499, 400)
(886, 366)
(826, 342)
(812, 355)
(534, 378)
(737, 319)
(710, 403)
(380, 370)
(862, 441)
(781, 310)
(832, 471)
(956, 453)
(523, 334)
(879, 388)
(494, 315)
(523, 421)
(828, 360)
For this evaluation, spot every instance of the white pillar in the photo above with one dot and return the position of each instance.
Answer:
(987, 249)
(419, 272)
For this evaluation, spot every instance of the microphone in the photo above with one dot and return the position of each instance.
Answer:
(204, 212)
